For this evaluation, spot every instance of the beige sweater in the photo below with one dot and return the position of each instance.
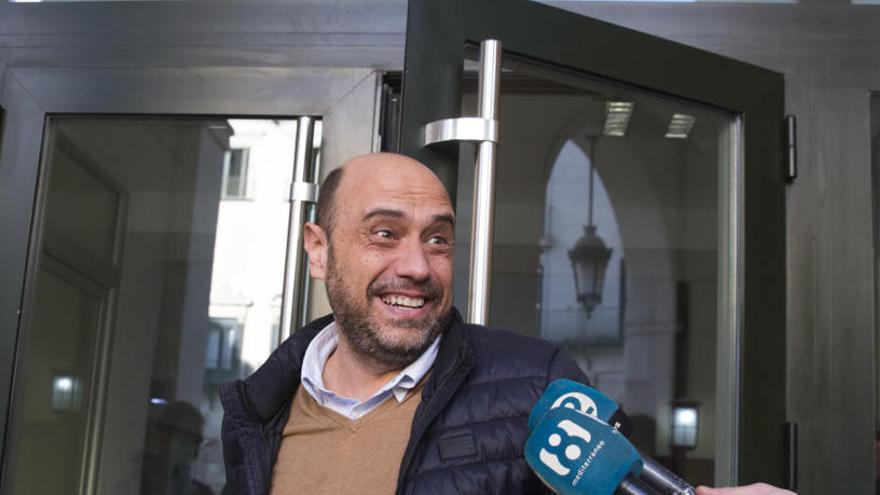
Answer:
(323, 452)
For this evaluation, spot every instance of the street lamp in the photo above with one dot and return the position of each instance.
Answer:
(685, 424)
(589, 257)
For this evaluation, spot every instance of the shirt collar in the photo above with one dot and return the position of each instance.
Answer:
(325, 343)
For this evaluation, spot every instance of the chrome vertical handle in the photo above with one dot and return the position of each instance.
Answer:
(482, 228)
(302, 193)
(482, 129)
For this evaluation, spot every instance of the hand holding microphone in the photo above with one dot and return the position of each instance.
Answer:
(596, 414)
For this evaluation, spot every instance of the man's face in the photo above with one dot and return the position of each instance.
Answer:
(389, 260)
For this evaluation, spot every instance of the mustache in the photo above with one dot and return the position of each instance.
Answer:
(429, 288)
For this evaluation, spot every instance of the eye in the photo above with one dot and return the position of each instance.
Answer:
(384, 234)
(438, 239)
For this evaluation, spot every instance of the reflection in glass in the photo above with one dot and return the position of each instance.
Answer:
(83, 211)
(607, 241)
(685, 423)
(235, 163)
(154, 284)
(57, 377)
(66, 393)
(567, 214)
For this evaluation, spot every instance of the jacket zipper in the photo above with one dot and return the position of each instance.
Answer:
(433, 408)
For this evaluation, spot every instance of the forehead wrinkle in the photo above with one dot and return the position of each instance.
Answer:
(413, 193)
(383, 212)
(397, 203)
(396, 184)
(395, 213)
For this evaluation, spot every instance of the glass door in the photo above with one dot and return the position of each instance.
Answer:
(638, 216)
(159, 277)
(150, 258)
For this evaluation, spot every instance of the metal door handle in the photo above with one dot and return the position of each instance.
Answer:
(302, 193)
(482, 129)
(460, 129)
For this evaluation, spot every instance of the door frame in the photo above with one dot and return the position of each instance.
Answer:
(752, 250)
(166, 59)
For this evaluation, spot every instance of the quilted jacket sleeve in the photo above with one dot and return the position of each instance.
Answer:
(236, 424)
(561, 366)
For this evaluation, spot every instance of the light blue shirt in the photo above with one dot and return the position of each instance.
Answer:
(324, 344)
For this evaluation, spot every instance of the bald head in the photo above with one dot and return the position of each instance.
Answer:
(388, 267)
(374, 173)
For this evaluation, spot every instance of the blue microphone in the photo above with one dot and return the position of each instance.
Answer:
(587, 400)
(576, 454)
(583, 398)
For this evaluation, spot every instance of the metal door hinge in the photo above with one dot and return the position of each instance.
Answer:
(790, 148)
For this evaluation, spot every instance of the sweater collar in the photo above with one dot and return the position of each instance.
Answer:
(272, 385)
(275, 382)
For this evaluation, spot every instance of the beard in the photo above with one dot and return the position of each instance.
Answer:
(365, 336)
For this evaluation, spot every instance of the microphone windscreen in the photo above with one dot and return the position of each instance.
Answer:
(573, 453)
(579, 397)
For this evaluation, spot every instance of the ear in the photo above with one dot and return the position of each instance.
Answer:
(315, 242)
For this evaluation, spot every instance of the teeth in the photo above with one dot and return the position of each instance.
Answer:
(408, 302)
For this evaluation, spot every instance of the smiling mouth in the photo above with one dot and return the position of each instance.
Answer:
(403, 301)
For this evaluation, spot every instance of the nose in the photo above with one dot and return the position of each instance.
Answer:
(412, 261)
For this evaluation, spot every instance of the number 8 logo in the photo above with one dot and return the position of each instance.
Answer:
(579, 402)
(564, 441)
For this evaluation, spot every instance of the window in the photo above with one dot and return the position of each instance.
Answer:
(235, 172)
(223, 345)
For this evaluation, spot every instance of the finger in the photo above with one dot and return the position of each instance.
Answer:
(754, 489)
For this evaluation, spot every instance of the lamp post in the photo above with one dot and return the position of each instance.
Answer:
(589, 256)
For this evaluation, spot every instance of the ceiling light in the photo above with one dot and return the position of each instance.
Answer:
(680, 126)
(617, 114)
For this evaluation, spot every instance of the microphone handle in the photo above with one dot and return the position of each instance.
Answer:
(663, 480)
(631, 485)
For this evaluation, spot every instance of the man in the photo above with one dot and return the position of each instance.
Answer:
(393, 392)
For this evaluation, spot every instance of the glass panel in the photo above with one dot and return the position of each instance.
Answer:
(119, 384)
(82, 207)
(57, 375)
(607, 241)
